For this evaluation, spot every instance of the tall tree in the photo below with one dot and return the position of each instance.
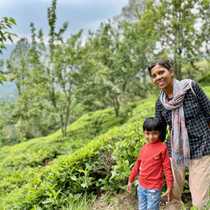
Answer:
(33, 115)
(116, 60)
(59, 59)
(5, 24)
(180, 28)
(18, 64)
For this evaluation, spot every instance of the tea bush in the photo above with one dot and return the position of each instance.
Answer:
(102, 164)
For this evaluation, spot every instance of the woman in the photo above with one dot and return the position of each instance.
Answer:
(185, 108)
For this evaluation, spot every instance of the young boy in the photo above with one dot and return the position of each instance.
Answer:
(152, 161)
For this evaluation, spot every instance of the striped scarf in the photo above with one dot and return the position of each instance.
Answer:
(179, 137)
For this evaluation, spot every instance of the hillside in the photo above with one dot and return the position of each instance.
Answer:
(95, 157)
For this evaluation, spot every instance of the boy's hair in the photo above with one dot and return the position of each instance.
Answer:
(153, 124)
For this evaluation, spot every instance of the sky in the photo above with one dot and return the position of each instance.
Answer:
(81, 14)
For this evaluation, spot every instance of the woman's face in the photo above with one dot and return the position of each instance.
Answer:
(161, 76)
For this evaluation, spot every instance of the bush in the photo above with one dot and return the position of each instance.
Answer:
(88, 169)
(19, 164)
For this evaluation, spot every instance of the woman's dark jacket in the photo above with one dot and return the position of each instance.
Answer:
(197, 117)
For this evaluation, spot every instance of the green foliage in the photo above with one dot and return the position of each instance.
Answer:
(7, 124)
(113, 68)
(21, 163)
(206, 89)
(32, 115)
(59, 81)
(180, 36)
(43, 77)
(5, 24)
(78, 202)
(102, 164)
(205, 77)
(86, 170)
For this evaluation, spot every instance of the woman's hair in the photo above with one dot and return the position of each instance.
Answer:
(164, 63)
(153, 124)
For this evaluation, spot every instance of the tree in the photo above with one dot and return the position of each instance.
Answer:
(138, 44)
(115, 58)
(33, 114)
(181, 29)
(18, 64)
(98, 86)
(5, 24)
(7, 123)
(58, 59)
(66, 60)
(204, 11)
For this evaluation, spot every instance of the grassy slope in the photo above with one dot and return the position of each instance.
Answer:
(20, 163)
(63, 165)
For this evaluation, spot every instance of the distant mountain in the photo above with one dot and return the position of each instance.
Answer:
(8, 91)
(132, 10)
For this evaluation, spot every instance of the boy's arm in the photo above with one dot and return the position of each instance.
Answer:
(134, 172)
(167, 172)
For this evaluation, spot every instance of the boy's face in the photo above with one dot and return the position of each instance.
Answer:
(151, 136)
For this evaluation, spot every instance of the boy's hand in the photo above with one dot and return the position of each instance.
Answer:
(129, 186)
(168, 194)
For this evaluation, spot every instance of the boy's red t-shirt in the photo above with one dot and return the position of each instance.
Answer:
(152, 161)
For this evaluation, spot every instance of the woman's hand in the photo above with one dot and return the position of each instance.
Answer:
(168, 194)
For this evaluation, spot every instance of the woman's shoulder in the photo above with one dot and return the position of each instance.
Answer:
(192, 82)
(195, 88)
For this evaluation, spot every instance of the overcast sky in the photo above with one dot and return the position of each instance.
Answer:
(86, 14)
(81, 14)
